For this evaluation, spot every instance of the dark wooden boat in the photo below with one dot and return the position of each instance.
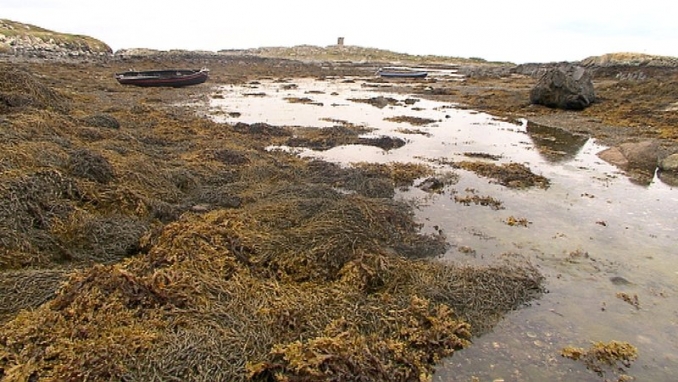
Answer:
(402, 73)
(171, 77)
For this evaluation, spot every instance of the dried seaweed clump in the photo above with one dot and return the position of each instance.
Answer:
(29, 206)
(28, 289)
(91, 165)
(416, 121)
(343, 133)
(85, 237)
(400, 350)
(102, 120)
(101, 317)
(212, 298)
(19, 89)
(514, 175)
(480, 295)
(402, 174)
(493, 203)
(601, 357)
(377, 180)
(318, 230)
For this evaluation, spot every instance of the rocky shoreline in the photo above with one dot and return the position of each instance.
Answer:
(144, 228)
(183, 249)
(502, 89)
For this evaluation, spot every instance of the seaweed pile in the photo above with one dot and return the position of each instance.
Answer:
(513, 175)
(613, 357)
(143, 243)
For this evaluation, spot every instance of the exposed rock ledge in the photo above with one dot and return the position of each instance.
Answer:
(630, 59)
(25, 40)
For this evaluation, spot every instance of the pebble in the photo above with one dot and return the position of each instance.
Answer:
(618, 280)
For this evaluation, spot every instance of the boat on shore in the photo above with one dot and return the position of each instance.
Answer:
(169, 77)
(399, 73)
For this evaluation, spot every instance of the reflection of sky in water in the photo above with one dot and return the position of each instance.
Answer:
(591, 208)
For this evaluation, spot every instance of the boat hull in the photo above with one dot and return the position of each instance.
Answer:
(387, 74)
(167, 78)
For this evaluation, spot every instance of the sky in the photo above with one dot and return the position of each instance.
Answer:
(517, 31)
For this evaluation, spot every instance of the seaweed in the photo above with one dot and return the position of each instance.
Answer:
(154, 245)
(512, 175)
(601, 357)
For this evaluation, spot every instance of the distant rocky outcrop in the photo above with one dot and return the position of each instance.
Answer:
(567, 87)
(349, 53)
(173, 53)
(305, 53)
(629, 59)
(25, 40)
(629, 66)
(621, 66)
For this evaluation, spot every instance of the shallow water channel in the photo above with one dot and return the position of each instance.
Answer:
(593, 233)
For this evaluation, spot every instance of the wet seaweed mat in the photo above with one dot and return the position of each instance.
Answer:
(221, 296)
(142, 243)
(514, 175)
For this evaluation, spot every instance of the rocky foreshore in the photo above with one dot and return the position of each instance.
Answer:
(639, 109)
(28, 41)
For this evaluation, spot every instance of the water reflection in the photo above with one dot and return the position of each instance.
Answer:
(555, 144)
(591, 224)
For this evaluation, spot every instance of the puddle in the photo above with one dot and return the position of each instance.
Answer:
(593, 233)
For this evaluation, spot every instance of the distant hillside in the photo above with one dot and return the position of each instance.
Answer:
(354, 54)
(630, 59)
(29, 40)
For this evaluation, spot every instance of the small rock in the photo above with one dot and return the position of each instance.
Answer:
(670, 163)
(200, 208)
(641, 155)
(618, 280)
(614, 156)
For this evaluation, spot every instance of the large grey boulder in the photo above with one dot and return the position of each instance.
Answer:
(565, 87)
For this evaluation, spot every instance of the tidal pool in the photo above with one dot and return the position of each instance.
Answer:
(594, 233)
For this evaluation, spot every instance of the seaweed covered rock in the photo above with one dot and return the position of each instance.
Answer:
(102, 120)
(20, 89)
(90, 165)
(513, 175)
(30, 206)
(569, 88)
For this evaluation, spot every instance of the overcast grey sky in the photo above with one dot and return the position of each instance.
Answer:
(518, 31)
